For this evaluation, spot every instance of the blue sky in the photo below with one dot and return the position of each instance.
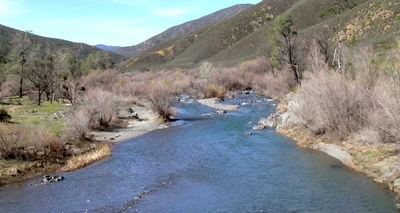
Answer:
(110, 22)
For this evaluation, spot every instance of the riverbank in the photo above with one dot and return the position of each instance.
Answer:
(99, 148)
(379, 161)
(84, 153)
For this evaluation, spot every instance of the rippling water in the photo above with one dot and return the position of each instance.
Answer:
(207, 165)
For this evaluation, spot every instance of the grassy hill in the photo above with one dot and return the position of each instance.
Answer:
(79, 50)
(182, 29)
(244, 36)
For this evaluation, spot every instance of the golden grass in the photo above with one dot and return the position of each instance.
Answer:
(81, 161)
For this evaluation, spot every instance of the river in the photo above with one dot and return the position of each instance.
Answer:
(207, 164)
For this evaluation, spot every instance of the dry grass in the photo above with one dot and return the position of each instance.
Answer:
(80, 161)
(28, 142)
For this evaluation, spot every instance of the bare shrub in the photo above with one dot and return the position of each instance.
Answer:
(205, 69)
(385, 117)
(276, 86)
(181, 81)
(27, 142)
(140, 82)
(126, 89)
(161, 97)
(10, 86)
(41, 140)
(260, 65)
(100, 106)
(101, 79)
(317, 57)
(231, 79)
(211, 91)
(12, 139)
(76, 126)
(6, 90)
(328, 104)
(363, 67)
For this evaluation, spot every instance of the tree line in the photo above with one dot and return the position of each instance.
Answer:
(31, 66)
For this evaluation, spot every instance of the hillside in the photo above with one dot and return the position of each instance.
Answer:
(106, 47)
(79, 50)
(182, 29)
(243, 36)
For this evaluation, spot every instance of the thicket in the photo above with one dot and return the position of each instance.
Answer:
(361, 99)
(25, 142)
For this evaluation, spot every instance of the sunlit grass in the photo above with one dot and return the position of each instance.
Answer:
(25, 111)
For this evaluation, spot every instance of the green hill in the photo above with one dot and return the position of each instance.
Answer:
(244, 36)
(181, 29)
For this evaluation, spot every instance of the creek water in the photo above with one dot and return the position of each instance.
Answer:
(207, 164)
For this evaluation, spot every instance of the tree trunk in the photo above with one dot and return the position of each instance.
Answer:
(39, 98)
(20, 87)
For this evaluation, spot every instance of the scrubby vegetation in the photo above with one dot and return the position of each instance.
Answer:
(342, 74)
(61, 126)
(362, 97)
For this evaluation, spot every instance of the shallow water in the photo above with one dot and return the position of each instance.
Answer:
(207, 165)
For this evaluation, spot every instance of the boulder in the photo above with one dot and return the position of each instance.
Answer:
(259, 127)
(272, 121)
(49, 179)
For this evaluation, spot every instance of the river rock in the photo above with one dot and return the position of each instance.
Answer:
(259, 127)
(220, 111)
(272, 121)
(49, 179)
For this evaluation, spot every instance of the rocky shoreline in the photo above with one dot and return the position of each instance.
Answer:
(380, 162)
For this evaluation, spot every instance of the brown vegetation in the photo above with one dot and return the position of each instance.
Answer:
(338, 105)
(161, 97)
(80, 161)
(23, 142)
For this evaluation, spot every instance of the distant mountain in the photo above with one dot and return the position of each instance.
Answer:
(244, 36)
(52, 45)
(182, 29)
(107, 48)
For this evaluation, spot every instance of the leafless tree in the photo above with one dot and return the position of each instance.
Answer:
(41, 75)
(22, 52)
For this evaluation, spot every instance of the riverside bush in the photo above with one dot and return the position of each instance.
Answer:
(328, 104)
(363, 100)
(161, 96)
(385, 117)
(12, 139)
(100, 106)
(25, 142)
(76, 126)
